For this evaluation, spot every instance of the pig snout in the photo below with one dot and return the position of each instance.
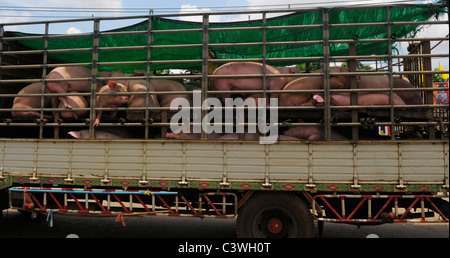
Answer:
(123, 100)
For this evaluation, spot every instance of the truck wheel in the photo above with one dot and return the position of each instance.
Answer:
(274, 215)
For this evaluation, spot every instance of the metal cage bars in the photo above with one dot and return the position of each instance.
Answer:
(326, 58)
(320, 203)
(92, 201)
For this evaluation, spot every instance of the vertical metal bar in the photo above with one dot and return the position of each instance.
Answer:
(224, 204)
(153, 203)
(131, 203)
(205, 55)
(200, 211)
(86, 201)
(264, 53)
(95, 54)
(353, 95)
(391, 78)
(65, 200)
(147, 97)
(422, 207)
(396, 207)
(426, 49)
(2, 32)
(108, 202)
(44, 82)
(326, 71)
(45, 200)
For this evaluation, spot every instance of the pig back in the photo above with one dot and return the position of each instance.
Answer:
(239, 68)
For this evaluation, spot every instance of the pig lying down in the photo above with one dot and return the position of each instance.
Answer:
(68, 72)
(311, 133)
(107, 133)
(74, 102)
(255, 83)
(311, 83)
(373, 82)
(21, 102)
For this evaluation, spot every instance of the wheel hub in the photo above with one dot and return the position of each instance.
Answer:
(275, 226)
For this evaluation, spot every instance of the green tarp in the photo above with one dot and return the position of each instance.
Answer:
(336, 16)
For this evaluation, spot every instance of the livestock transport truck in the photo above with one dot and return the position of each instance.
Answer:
(389, 165)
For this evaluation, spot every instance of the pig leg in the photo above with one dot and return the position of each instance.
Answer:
(97, 119)
(28, 114)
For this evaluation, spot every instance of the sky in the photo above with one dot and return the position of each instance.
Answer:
(12, 11)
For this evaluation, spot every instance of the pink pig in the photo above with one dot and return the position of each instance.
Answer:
(311, 133)
(343, 99)
(311, 83)
(409, 97)
(110, 101)
(29, 102)
(68, 72)
(74, 102)
(139, 100)
(242, 68)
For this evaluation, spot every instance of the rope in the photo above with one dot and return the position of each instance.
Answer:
(50, 218)
(437, 44)
(120, 218)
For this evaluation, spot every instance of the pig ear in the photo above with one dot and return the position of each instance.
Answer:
(112, 85)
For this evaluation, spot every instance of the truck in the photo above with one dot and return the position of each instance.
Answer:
(389, 165)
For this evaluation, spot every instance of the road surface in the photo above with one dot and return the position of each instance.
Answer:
(20, 226)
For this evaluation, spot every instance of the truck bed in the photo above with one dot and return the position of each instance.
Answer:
(316, 166)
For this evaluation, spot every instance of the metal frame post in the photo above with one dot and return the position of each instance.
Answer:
(428, 83)
(353, 95)
(205, 56)
(148, 71)
(44, 82)
(326, 73)
(95, 58)
(391, 78)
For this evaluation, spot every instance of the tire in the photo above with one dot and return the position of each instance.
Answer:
(275, 215)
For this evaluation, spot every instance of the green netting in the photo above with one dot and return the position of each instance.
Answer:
(336, 16)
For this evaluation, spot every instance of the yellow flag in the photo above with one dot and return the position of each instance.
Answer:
(443, 75)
